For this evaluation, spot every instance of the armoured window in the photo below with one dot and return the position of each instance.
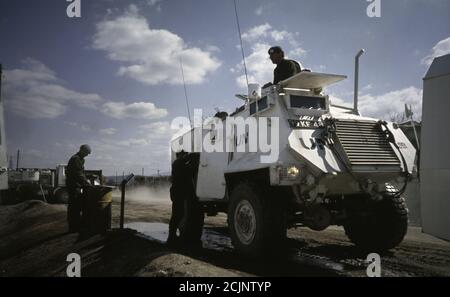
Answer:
(262, 104)
(252, 108)
(307, 102)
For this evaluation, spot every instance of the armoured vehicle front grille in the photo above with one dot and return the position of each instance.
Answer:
(365, 145)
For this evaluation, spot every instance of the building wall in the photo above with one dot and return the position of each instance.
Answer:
(435, 157)
(3, 158)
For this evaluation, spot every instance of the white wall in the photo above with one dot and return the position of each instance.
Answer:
(435, 157)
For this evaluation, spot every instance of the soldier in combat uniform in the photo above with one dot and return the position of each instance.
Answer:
(180, 191)
(75, 182)
(285, 67)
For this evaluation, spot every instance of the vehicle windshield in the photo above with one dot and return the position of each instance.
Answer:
(307, 102)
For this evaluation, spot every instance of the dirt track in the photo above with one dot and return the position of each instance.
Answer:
(34, 242)
(310, 253)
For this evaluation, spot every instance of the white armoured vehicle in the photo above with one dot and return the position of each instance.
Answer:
(333, 167)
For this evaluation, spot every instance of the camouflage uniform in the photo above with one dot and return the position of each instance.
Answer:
(180, 191)
(75, 181)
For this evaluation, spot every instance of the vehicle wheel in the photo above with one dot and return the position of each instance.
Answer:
(380, 225)
(257, 224)
(191, 226)
(61, 196)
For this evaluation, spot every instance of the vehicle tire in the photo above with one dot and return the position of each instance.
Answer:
(61, 196)
(191, 226)
(379, 225)
(257, 222)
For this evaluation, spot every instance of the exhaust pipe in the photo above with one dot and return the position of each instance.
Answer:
(355, 96)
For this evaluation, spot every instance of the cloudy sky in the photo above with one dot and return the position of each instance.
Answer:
(112, 77)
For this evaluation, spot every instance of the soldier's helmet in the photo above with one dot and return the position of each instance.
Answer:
(86, 148)
(275, 50)
(180, 154)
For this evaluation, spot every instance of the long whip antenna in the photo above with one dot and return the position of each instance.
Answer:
(240, 39)
(185, 92)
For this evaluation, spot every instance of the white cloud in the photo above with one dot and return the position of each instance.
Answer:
(259, 10)
(388, 105)
(156, 135)
(440, 49)
(392, 103)
(151, 56)
(297, 53)
(147, 146)
(266, 32)
(137, 110)
(259, 66)
(132, 142)
(35, 92)
(256, 32)
(158, 129)
(108, 131)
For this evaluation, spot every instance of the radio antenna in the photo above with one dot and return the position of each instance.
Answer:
(240, 39)
(185, 91)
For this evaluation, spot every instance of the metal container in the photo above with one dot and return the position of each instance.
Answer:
(97, 210)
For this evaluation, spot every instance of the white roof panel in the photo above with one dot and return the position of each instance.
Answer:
(311, 80)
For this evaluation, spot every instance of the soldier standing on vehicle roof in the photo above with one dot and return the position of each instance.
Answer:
(180, 190)
(285, 67)
(75, 182)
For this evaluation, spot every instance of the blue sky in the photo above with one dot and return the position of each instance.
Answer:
(112, 78)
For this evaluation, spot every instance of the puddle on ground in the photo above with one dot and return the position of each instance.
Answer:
(157, 231)
(160, 231)
(215, 240)
(318, 261)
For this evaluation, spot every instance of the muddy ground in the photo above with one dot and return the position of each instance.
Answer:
(34, 242)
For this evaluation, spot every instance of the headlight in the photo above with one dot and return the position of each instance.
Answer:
(293, 172)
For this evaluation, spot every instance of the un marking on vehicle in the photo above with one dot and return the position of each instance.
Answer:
(306, 122)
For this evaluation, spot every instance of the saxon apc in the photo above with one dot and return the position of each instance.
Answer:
(333, 167)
